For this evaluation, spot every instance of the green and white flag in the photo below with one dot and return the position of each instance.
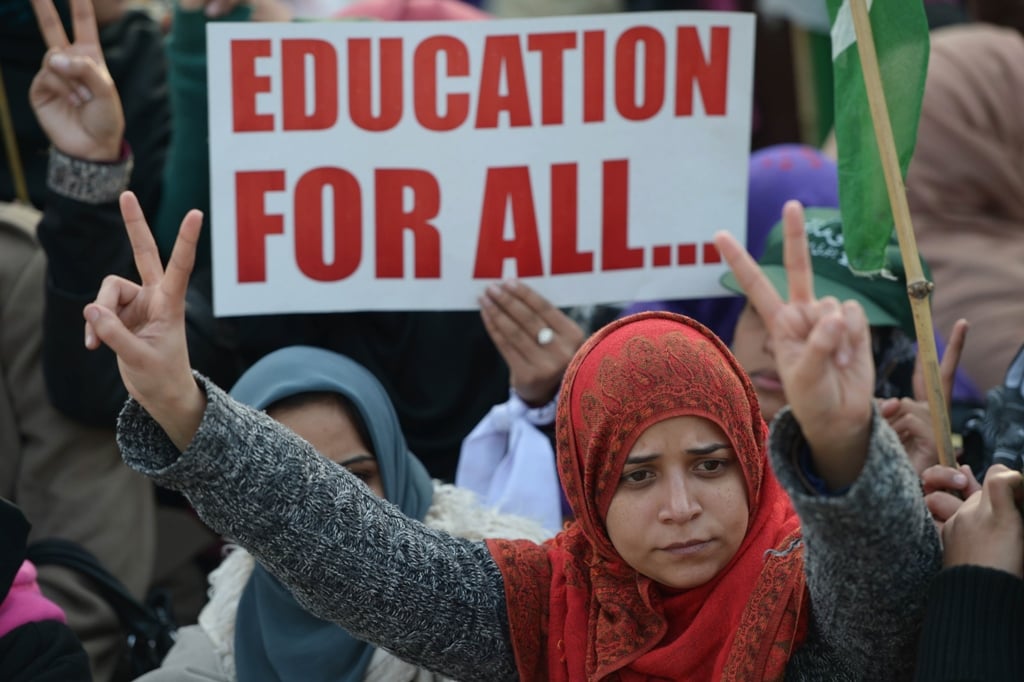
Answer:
(901, 41)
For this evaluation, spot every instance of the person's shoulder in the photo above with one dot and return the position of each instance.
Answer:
(19, 220)
(17, 233)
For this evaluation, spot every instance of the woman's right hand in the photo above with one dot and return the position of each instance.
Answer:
(946, 488)
(145, 325)
(988, 530)
(73, 96)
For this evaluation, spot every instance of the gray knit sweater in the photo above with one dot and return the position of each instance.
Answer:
(438, 601)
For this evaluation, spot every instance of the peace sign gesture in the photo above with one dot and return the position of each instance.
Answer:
(73, 95)
(822, 348)
(145, 325)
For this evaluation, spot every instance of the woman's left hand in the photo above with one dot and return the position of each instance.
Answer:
(536, 339)
(73, 95)
(823, 351)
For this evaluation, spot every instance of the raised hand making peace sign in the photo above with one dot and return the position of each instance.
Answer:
(73, 95)
(145, 325)
(823, 351)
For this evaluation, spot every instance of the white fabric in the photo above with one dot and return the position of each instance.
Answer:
(510, 464)
(843, 33)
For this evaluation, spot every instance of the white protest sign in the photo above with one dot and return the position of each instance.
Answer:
(406, 165)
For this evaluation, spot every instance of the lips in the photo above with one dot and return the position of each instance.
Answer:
(690, 548)
(766, 381)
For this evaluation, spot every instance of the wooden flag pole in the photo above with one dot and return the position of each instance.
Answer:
(11, 146)
(918, 288)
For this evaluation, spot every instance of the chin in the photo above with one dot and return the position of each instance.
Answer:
(687, 581)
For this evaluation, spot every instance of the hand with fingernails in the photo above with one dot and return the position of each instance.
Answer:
(823, 351)
(536, 339)
(987, 529)
(73, 95)
(910, 418)
(144, 324)
(946, 488)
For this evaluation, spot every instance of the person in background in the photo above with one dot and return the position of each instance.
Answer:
(888, 312)
(129, 45)
(66, 476)
(974, 621)
(777, 174)
(508, 459)
(969, 215)
(36, 645)
(252, 629)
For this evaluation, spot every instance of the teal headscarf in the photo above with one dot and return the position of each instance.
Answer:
(275, 638)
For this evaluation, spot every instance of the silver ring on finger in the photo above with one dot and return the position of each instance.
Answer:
(545, 335)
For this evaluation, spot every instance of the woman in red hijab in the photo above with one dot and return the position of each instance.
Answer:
(662, 449)
(687, 559)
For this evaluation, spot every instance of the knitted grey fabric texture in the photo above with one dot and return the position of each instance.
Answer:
(87, 181)
(347, 555)
(870, 555)
(438, 601)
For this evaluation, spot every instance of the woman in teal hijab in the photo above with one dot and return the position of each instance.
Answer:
(275, 638)
(252, 629)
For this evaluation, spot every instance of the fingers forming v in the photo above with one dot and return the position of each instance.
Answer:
(755, 284)
(147, 258)
(951, 358)
(83, 22)
(183, 256)
(795, 254)
(49, 23)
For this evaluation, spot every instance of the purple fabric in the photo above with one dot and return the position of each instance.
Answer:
(777, 174)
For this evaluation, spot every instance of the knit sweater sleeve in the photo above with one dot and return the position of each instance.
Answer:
(347, 555)
(870, 554)
(973, 628)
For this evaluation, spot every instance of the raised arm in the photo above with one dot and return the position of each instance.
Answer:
(347, 555)
(823, 350)
(870, 546)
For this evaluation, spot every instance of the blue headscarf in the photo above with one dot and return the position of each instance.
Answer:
(275, 638)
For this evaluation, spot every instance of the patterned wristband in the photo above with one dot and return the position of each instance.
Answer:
(91, 182)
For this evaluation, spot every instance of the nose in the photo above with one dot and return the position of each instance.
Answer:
(680, 504)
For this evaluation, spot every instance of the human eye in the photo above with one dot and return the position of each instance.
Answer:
(637, 476)
(363, 472)
(711, 466)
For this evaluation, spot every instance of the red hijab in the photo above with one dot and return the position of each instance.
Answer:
(576, 610)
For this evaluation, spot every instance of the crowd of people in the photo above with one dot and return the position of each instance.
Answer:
(738, 488)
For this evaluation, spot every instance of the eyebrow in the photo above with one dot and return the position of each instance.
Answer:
(357, 459)
(702, 450)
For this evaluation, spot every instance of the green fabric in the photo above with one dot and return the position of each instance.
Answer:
(187, 171)
(901, 41)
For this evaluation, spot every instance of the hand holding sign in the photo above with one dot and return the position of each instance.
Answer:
(145, 325)
(536, 339)
(823, 350)
(73, 95)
